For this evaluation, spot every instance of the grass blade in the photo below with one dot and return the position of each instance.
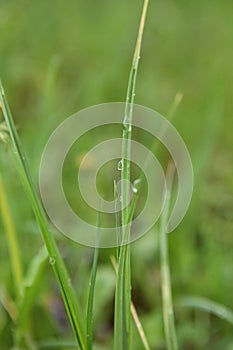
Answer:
(168, 313)
(134, 314)
(12, 240)
(117, 216)
(123, 286)
(208, 305)
(92, 290)
(67, 291)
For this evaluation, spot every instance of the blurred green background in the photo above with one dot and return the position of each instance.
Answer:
(57, 57)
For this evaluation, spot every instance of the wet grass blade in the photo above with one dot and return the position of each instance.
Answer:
(68, 294)
(12, 240)
(122, 317)
(168, 312)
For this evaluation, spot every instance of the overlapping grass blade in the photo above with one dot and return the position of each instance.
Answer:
(168, 313)
(69, 297)
(123, 286)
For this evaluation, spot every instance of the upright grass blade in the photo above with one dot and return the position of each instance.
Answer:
(208, 305)
(92, 290)
(12, 240)
(128, 117)
(117, 216)
(63, 280)
(168, 313)
(134, 314)
(123, 286)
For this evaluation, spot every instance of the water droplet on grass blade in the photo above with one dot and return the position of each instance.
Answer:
(136, 185)
(120, 165)
(127, 127)
(52, 260)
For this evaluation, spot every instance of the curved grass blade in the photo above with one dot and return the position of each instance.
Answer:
(69, 297)
(122, 317)
(168, 313)
(208, 305)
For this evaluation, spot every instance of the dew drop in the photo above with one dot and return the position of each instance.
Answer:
(120, 165)
(127, 127)
(136, 185)
(52, 260)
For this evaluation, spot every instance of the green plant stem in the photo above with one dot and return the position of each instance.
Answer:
(12, 240)
(128, 117)
(123, 286)
(63, 280)
(168, 313)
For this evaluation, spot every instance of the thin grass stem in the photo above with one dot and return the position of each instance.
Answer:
(168, 312)
(134, 313)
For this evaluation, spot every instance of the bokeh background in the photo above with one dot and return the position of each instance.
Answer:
(57, 57)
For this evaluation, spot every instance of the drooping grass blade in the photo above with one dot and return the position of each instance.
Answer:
(208, 305)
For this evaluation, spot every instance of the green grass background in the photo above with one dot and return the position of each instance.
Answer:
(57, 57)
